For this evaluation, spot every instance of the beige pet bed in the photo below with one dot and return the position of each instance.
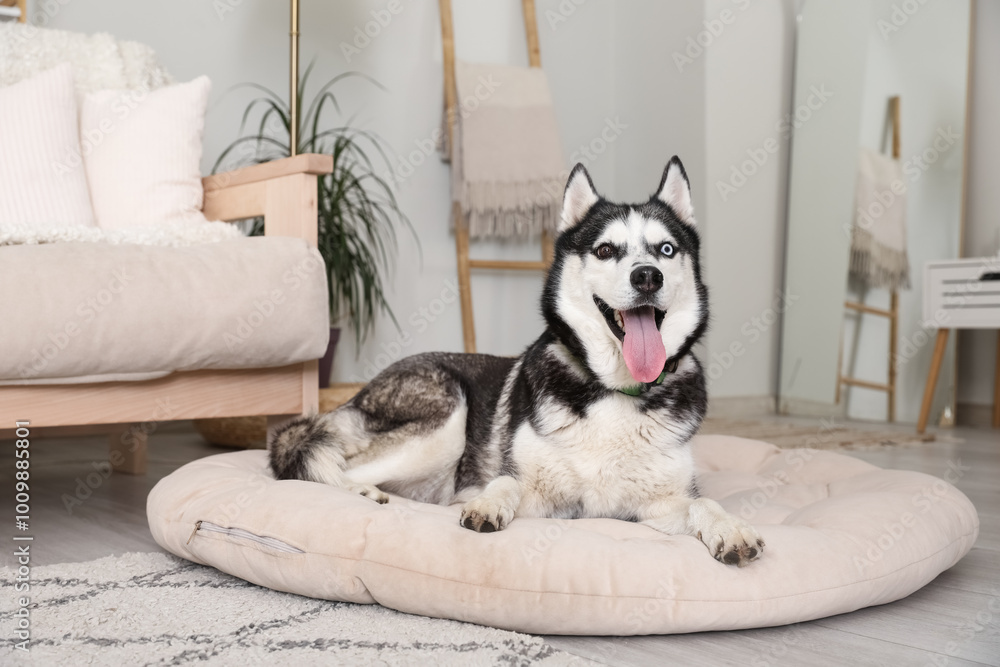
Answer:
(841, 535)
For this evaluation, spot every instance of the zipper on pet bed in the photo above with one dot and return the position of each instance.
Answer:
(271, 542)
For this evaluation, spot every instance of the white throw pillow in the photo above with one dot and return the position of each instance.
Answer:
(142, 151)
(42, 179)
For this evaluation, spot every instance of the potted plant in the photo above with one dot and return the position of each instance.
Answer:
(356, 222)
(357, 208)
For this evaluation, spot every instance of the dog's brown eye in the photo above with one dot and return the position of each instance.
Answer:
(605, 251)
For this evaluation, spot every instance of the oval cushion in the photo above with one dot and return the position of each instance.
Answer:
(841, 534)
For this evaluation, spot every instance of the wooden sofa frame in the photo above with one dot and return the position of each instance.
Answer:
(283, 192)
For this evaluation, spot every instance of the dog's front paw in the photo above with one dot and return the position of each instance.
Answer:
(485, 515)
(371, 491)
(733, 541)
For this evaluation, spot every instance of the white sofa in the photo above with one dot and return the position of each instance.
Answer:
(132, 335)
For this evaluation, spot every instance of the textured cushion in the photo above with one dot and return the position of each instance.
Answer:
(42, 180)
(142, 150)
(108, 310)
(841, 535)
(99, 61)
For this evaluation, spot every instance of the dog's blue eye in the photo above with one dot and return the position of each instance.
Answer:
(667, 250)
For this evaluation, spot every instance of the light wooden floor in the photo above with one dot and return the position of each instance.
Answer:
(950, 622)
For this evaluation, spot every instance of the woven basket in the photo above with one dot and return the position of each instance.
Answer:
(242, 432)
(251, 432)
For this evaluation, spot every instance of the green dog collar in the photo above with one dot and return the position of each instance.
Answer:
(640, 389)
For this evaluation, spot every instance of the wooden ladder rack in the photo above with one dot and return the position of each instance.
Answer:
(464, 262)
(892, 313)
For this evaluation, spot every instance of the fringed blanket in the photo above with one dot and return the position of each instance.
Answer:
(878, 237)
(508, 170)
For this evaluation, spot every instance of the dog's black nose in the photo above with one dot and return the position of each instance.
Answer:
(647, 279)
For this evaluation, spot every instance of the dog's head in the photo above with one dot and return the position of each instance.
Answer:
(624, 294)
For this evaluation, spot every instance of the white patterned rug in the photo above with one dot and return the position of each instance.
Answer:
(155, 609)
(818, 434)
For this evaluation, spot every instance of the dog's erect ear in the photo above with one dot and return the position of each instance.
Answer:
(675, 191)
(579, 197)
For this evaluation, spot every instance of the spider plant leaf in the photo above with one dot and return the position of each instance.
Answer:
(358, 211)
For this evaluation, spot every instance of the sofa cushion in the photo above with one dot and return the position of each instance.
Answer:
(142, 152)
(841, 534)
(42, 179)
(97, 311)
(99, 61)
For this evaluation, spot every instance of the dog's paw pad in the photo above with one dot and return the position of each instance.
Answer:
(480, 523)
(735, 542)
(485, 516)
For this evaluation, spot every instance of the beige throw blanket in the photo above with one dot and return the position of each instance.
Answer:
(508, 170)
(878, 236)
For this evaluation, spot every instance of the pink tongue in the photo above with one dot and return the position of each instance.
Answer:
(643, 346)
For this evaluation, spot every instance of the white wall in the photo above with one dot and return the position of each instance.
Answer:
(977, 349)
(664, 104)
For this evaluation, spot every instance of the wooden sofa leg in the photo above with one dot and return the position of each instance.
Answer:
(127, 449)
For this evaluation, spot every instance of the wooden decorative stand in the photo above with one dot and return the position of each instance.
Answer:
(465, 264)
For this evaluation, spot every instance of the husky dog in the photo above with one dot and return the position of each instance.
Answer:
(592, 420)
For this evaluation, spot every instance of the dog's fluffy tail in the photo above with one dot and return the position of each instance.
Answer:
(303, 448)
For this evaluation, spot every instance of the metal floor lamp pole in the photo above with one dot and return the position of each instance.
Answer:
(293, 102)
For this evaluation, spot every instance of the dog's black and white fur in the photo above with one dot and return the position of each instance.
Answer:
(552, 433)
